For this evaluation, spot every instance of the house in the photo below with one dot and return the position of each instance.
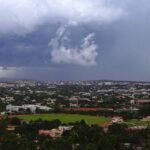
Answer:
(54, 133)
(146, 119)
(117, 120)
(51, 133)
(73, 105)
(136, 128)
(143, 101)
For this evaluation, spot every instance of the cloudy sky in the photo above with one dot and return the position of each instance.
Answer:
(75, 39)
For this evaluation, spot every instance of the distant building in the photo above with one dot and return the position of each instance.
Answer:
(146, 119)
(55, 133)
(31, 108)
(136, 128)
(143, 101)
(117, 120)
(107, 83)
(73, 105)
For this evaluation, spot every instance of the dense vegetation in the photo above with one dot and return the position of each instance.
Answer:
(81, 137)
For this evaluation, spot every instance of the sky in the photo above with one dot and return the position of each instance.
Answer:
(75, 39)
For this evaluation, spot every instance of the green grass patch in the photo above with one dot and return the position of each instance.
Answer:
(136, 122)
(66, 118)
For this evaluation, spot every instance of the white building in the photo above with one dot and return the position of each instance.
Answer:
(32, 108)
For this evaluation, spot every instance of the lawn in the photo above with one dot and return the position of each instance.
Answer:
(66, 118)
(136, 122)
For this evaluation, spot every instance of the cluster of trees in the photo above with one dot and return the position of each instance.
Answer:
(145, 110)
(81, 137)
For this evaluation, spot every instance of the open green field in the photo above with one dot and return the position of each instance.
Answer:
(66, 118)
(136, 122)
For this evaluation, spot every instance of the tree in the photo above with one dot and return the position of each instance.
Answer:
(145, 110)
(15, 121)
(117, 129)
(3, 126)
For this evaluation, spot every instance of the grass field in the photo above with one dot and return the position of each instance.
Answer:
(66, 118)
(136, 122)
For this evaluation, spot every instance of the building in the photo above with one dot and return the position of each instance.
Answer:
(32, 108)
(117, 120)
(55, 133)
(143, 101)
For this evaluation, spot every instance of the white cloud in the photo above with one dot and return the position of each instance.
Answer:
(23, 16)
(84, 55)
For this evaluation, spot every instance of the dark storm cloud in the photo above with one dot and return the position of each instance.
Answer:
(121, 30)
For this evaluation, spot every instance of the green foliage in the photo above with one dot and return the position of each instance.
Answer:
(145, 110)
(15, 121)
(3, 126)
(81, 137)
